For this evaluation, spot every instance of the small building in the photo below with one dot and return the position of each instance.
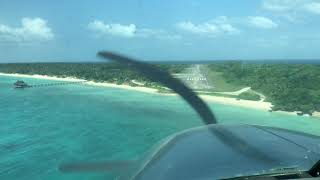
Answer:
(20, 84)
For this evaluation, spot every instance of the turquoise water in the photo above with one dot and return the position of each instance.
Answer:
(43, 127)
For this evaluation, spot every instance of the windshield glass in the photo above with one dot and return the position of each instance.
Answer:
(62, 101)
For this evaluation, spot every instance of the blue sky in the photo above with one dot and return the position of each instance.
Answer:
(43, 30)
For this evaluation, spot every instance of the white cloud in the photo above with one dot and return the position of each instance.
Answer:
(313, 7)
(32, 29)
(281, 5)
(100, 27)
(262, 22)
(216, 27)
(128, 31)
(158, 34)
(228, 28)
(293, 6)
(199, 29)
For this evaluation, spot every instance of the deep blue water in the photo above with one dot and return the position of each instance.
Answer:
(43, 127)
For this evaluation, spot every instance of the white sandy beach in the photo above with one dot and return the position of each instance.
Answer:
(316, 114)
(233, 101)
(141, 89)
(222, 100)
(265, 106)
(72, 79)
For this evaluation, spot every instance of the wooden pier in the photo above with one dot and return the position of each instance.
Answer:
(53, 84)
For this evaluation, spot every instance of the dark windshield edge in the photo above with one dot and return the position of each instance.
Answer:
(315, 170)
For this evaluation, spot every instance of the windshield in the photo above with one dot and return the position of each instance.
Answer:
(65, 97)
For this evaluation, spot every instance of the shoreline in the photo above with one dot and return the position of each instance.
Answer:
(258, 105)
(92, 83)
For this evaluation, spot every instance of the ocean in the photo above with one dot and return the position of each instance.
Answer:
(44, 127)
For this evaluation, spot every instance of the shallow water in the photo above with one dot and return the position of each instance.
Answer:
(43, 127)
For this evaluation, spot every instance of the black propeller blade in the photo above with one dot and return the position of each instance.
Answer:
(166, 79)
(157, 75)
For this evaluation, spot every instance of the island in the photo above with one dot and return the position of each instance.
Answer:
(289, 87)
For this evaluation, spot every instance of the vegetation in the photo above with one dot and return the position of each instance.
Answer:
(290, 87)
(217, 79)
(249, 96)
(98, 72)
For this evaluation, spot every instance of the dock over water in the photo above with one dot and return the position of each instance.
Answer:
(48, 84)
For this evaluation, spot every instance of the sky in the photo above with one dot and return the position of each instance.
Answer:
(75, 30)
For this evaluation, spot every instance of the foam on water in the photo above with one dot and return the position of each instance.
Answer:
(43, 127)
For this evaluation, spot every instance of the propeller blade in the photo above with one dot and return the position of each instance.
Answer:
(156, 75)
(166, 79)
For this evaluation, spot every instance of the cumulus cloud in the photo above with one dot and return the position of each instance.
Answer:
(31, 30)
(262, 22)
(128, 31)
(313, 7)
(281, 5)
(200, 29)
(158, 34)
(35, 28)
(100, 27)
(216, 27)
(284, 6)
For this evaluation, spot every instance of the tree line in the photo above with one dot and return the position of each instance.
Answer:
(97, 72)
(290, 87)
